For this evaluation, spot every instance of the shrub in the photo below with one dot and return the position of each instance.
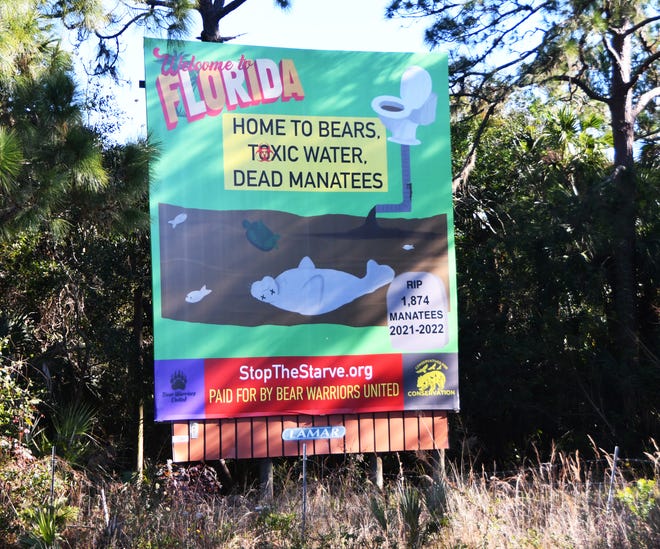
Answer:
(18, 403)
(640, 498)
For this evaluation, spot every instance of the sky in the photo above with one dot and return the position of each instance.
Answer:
(330, 25)
(309, 24)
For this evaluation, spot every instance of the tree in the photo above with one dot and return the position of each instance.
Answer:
(73, 226)
(606, 51)
(46, 152)
(532, 243)
(83, 299)
(73, 208)
(88, 18)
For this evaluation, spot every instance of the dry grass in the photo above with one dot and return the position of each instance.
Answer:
(554, 504)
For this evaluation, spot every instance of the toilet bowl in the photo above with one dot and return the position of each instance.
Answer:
(416, 106)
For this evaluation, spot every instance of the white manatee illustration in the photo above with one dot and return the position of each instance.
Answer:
(180, 218)
(311, 291)
(198, 295)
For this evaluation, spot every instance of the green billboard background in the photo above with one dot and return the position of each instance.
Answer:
(201, 168)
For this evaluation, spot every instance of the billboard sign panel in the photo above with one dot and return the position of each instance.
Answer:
(302, 231)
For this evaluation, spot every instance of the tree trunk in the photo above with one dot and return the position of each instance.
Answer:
(210, 27)
(138, 364)
(212, 12)
(624, 215)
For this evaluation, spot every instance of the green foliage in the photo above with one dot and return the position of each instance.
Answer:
(416, 513)
(380, 512)
(494, 47)
(640, 498)
(283, 524)
(436, 501)
(18, 404)
(73, 425)
(79, 338)
(534, 232)
(107, 23)
(410, 508)
(571, 220)
(73, 255)
(25, 497)
(19, 399)
(535, 261)
(11, 158)
(47, 155)
(45, 525)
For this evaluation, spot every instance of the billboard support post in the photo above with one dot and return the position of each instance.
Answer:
(440, 470)
(266, 478)
(376, 470)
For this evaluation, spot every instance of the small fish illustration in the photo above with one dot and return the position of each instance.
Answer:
(408, 247)
(198, 295)
(178, 220)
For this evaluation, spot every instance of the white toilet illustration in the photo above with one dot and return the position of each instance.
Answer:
(415, 107)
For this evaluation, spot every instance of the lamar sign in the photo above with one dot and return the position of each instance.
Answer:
(314, 433)
(302, 232)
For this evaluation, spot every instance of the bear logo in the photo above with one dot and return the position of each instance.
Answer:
(430, 379)
(178, 381)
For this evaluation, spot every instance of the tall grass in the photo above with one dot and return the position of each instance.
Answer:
(561, 502)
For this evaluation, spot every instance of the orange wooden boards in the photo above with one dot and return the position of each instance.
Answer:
(262, 437)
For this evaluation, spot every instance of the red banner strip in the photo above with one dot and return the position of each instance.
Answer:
(262, 386)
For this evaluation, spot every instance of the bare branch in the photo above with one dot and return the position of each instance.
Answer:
(592, 94)
(471, 159)
(231, 7)
(123, 29)
(644, 100)
(640, 25)
(613, 53)
(499, 40)
(644, 66)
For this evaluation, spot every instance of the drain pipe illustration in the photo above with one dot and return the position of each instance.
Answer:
(401, 116)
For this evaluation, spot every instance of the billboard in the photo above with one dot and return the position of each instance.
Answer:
(302, 231)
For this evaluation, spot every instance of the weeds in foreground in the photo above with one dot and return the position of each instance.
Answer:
(558, 503)
(46, 524)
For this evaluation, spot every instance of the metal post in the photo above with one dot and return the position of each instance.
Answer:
(301, 434)
(52, 476)
(140, 440)
(609, 495)
(304, 494)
